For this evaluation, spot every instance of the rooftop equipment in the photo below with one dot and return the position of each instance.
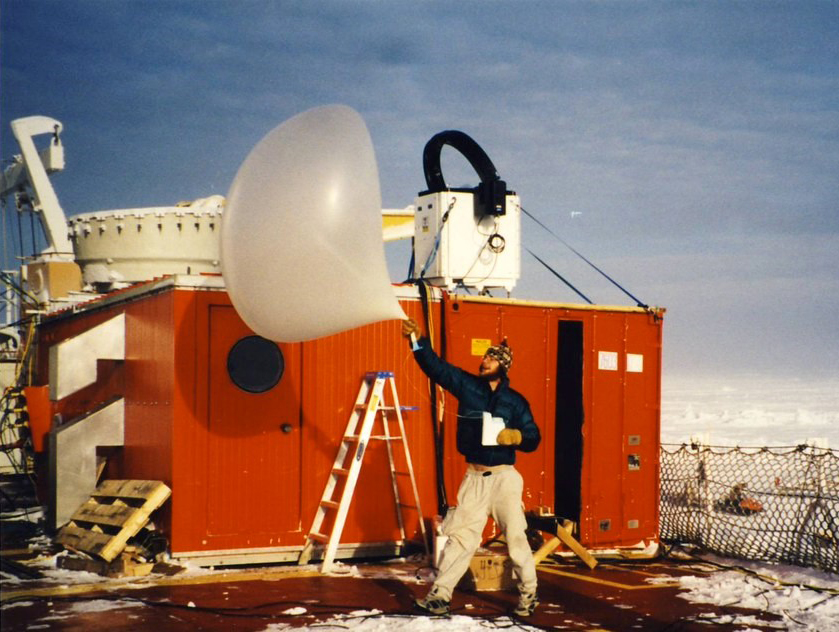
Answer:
(466, 237)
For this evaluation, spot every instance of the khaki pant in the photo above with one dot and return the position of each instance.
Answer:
(497, 494)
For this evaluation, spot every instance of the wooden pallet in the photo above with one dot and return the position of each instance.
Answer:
(126, 564)
(115, 512)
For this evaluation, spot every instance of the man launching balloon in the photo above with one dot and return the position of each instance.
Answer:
(491, 485)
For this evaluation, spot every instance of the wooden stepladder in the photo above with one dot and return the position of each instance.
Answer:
(369, 406)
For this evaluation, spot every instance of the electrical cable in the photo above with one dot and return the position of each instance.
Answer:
(497, 243)
(32, 233)
(9, 282)
(487, 245)
(412, 261)
(441, 412)
(22, 378)
(5, 253)
(560, 277)
(638, 302)
(20, 230)
(476, 260)
(436, 423)
(433, 254)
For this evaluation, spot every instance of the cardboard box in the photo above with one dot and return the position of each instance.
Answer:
(489, 571)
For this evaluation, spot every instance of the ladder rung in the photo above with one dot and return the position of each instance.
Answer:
(404, 506)
(385, 438)
(329, 503)
(387, 408)
(340, 471)
(373, 375)
(350, 438)
(319, 537)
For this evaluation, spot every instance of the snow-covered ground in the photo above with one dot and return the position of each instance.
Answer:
(804, 599)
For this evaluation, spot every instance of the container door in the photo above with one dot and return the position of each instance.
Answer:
(254, 436)
(568, 461)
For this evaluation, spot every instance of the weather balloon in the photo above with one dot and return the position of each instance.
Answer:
(302, 253)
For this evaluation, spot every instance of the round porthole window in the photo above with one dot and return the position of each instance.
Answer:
(255, 364)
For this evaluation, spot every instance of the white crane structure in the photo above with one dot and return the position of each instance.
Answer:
(30, 170)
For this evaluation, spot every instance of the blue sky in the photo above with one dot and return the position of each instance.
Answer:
(691, 149)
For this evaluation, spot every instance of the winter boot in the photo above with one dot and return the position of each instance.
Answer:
(527, 604)
(433, 603)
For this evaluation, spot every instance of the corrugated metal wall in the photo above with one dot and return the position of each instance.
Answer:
(247, 470)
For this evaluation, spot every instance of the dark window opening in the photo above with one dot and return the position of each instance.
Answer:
(255, 364)
(569, 420)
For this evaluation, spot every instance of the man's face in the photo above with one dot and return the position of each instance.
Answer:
(490, 367)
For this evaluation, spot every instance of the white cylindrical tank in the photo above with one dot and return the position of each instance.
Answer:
(130, 245)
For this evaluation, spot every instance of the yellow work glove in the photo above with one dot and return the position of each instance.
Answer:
(410, 327)
(509, 436)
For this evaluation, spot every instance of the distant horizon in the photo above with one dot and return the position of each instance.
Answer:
(750, 411)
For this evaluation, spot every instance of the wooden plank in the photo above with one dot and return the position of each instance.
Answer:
(118, 542)
(85, 531)
(545, 550)
(142, 490)
(120, 567)
(575, 546)
(111, 515)
(19, 570)
(80, 539)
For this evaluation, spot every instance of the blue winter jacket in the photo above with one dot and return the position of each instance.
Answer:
(475, 396)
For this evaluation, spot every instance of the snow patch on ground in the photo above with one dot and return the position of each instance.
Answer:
(297, 610)
(91, 606)
(370, 621)
(421, 574)
(805, 599)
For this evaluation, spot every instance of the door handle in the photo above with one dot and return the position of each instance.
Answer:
(286, 428)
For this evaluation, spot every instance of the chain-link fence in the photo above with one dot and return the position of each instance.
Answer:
(776, 504)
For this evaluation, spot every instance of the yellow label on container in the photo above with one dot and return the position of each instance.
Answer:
(480, 346)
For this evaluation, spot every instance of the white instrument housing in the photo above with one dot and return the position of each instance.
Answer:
(464, 248)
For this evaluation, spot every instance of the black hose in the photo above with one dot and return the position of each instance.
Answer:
(442, 501)
(490, 194)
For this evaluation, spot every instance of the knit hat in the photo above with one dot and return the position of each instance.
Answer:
(502, 353)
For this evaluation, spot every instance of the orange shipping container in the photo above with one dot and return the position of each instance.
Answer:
(245, 431)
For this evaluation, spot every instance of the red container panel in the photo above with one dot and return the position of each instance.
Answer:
(247, 469)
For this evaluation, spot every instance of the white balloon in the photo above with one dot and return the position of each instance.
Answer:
(302, 253)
